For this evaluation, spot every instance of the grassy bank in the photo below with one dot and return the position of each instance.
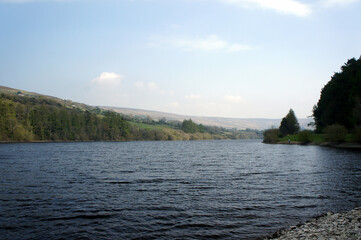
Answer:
(316, 139)
(320, 140)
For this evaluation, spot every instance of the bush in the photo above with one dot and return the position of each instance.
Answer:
(335, 133)
(271, 135)
(356, 134)
(305, 136)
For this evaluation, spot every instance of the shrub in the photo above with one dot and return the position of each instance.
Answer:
(271, 135)
(305, 136)
(356, 134)
(335, 133)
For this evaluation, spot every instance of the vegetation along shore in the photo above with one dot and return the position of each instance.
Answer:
(32, 117)
(337, 115)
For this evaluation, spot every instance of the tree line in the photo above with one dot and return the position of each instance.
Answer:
(25, 118)
(340, 100)
(337, 114)
(163, 129)
(289, 125)
(32, 119)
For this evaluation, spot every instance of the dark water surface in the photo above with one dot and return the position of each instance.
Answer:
(170, 190)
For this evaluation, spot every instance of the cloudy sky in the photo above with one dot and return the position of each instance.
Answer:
(229, 58)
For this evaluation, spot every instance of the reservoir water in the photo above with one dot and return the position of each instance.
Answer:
(170, 190)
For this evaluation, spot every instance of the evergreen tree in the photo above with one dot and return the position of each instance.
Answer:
(340, 101)
(289, 124)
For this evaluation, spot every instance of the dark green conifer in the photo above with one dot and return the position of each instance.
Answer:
(340, 101)
(289, 124)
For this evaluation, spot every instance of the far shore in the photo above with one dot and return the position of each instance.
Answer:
(60, 141)
(348, 145)
(79, 141)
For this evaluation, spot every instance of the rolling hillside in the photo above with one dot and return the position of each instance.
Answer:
(238, 123)
(63, 102)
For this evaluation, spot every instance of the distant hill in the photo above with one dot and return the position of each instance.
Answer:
(28, 117)
(63, 102)
(238, 123)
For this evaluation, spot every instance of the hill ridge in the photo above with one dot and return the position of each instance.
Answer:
(226, 122)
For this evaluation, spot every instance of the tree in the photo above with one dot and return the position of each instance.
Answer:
(340, 100)
(289, 124)
(115, 126)
(188, 126)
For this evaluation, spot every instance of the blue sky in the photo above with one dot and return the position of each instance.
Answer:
(227, 58)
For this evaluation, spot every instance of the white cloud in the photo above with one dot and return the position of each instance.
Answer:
(233, 99)
(175, 104)
(193, 97)
(334, 3)
(108, 79)
(152, 86)
(283, 6)
(139, 84)
(208, 44)
(239, 47)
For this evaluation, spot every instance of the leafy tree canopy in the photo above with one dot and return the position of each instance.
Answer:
(289, 124)
(26, 118)
(340, 101)
(189, 126)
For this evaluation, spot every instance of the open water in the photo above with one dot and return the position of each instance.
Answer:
(170, 190)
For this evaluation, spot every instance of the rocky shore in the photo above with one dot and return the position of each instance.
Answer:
(334, 226)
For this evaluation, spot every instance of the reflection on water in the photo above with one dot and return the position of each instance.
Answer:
(167, 190)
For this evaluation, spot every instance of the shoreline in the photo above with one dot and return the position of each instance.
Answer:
(341, 226)
(347, 145)
(86, 141)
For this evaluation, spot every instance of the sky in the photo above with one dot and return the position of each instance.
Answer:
(223, 58)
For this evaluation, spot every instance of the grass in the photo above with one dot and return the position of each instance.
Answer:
(316, 138)
(149, 126)
(293, 137)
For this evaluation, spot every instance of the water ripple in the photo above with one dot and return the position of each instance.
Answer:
(170, 190)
